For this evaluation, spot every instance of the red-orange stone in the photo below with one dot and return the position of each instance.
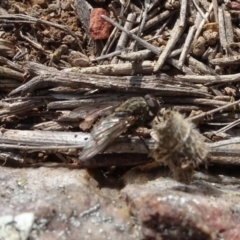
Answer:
(99, 28)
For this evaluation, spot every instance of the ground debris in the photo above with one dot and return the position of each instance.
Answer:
(59, 82)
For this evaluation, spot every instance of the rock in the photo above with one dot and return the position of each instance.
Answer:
(99, 28)
(199, 46)
(59, 203)
(166, 209)
(77, 59)
(16, 227)
(211, 37)
(64, 203)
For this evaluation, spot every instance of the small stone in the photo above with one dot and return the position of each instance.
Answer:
(199, 47)
(17, 227)
(99, 28)
(77, 59)
(70, 41)
(52, 8)
(23, 223)
(211, 37)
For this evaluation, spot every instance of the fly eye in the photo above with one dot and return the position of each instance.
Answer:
(153, 103)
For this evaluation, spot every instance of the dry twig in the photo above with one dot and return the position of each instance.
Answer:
(175, 35)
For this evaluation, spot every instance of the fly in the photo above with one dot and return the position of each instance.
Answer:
(133, 112)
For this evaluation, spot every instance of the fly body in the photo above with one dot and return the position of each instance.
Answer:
(133, 112)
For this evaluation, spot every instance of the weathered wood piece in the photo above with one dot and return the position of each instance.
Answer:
(226, 61)
(209, 79)
(9, 73)
(65, 141)
(161, 83)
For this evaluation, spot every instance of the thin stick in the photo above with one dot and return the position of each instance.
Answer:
(175, 53)
(122, 42)
(229, 126)
(155, 20)
(235, 140)
(107, 56)
(201, 116)
(222, 31)
(146, 7)
(228, 27)
(111, 37)
(133, 36)
(114, 34)
(215, 9)
(34, 44)
(160, 30)
(186, 46)
(200, 11)
(183, 13)
(136, 56)
(188, 41)
(210, 79)
(200, 67)
(226, 60)
(175, 36)
(184, 68)
(154, 4)
(203, 22)
(144, 54)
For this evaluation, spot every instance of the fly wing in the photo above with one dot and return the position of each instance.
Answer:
(103, 111)
(103, 135)
(88, 111)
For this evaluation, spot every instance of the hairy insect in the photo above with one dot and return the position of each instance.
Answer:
(134, 112)
(179, 144)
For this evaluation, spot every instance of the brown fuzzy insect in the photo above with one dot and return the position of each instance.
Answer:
(179, 144)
